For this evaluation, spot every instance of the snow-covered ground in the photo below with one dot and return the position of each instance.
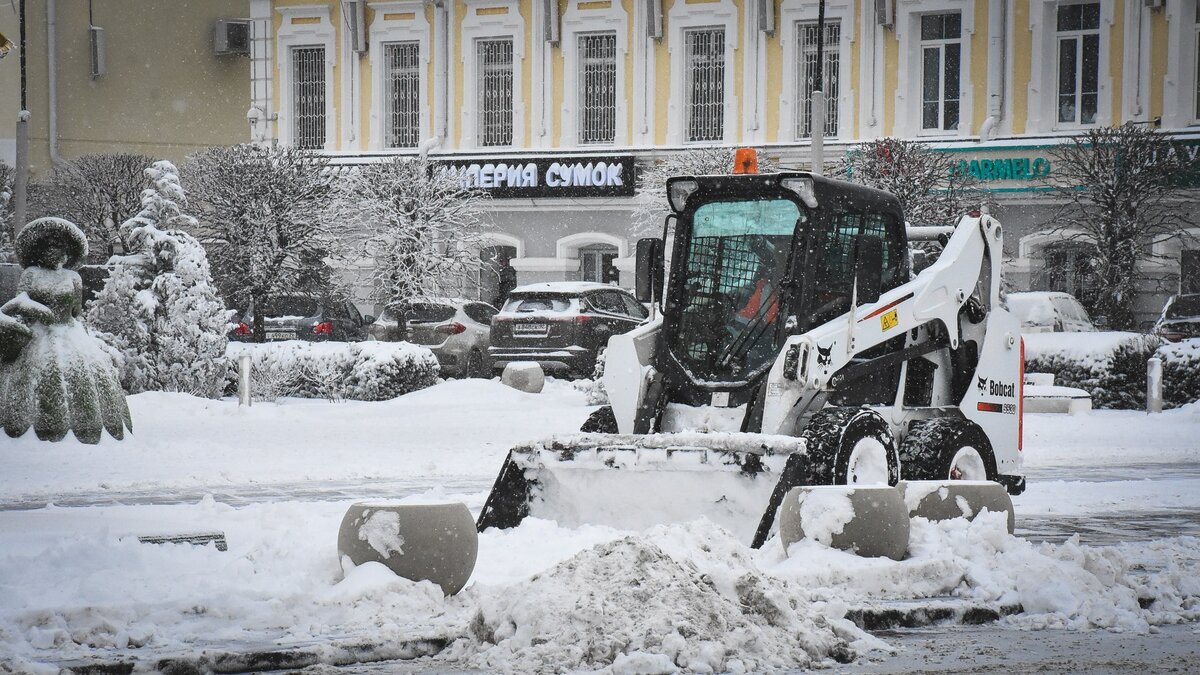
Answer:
(276, 479)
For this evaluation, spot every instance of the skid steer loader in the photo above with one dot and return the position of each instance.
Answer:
(790, 344)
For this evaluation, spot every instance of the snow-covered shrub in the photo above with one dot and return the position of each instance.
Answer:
(1181, 372)
(158, 307)
(1111, 366)
(358, 371)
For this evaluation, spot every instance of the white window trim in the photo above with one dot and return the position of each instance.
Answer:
(511, 26)
(383, 32)
(291, 35)
(1179, 82)
(575, 22)
(684, 17)
(568, 246)
(1043, 80)
(791, 13)
(489, 239)
(909, 73)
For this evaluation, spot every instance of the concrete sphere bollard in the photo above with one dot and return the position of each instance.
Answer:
(433, 542)
(945, 499)
(524, 376)
(869, 520)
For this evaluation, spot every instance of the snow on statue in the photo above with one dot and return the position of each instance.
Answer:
(53, 375)
(159, 308)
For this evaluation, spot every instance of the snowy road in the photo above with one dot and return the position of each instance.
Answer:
(277, 478)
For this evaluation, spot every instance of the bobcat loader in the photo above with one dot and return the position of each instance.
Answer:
(790, 344)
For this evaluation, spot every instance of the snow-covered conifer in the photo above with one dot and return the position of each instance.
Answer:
(159, 307)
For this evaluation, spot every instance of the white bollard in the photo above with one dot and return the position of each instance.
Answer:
(244, 381)
(1154, 385)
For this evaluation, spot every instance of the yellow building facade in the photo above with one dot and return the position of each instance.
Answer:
(513, 91)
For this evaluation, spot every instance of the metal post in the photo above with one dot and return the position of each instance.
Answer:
(21, 186)
(244, 381)
(1154, 385)
(818, 96)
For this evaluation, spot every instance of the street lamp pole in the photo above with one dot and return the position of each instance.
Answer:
(21, 187)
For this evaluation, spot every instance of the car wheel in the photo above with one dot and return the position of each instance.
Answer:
(947, 448)
(475, 364)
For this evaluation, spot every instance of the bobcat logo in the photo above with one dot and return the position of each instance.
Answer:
(824, 355)
(983, 385)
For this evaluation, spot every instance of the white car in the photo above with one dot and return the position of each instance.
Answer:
(1050, 312)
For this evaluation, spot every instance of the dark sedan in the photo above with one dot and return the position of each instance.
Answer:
(562, 325)
(297, 317)
(1180, 319)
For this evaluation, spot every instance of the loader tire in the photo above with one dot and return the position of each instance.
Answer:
(947, 448)
(602, 421)
(850, 446)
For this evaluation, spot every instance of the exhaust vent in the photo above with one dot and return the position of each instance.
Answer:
(96, 42)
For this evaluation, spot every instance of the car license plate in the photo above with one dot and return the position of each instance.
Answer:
(530, 328)
(280, 335)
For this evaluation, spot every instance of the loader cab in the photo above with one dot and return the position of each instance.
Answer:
(755, 258)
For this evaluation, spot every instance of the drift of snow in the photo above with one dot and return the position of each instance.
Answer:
(381, 531)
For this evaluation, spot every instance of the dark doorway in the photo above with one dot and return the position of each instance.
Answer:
(496, 275)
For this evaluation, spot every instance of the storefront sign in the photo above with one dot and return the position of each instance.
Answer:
(520, 177)
(1003, 169)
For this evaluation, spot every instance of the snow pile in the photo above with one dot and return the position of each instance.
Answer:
(158, 307)
(358, 371)
(1111, 366)
(681, 597)
(1066, 585)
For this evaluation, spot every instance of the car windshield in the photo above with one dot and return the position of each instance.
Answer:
(290, 306)
(1184, 306)
(734, 262)
(428, 312)
(534, 303)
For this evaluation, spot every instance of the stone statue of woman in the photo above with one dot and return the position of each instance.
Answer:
(54, 376)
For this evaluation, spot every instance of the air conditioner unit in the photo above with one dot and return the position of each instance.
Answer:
(885, 12)
(552, 22)
(1153, 4)
(231, 36)
(654, 19)
(355, 12)
(766, 16)
(96, 43)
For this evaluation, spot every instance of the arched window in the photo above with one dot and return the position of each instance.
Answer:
(596, 264)
(1067, 267)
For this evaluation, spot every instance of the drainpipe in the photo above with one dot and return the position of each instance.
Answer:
(441, 23)
(52, 67)
(997, 30)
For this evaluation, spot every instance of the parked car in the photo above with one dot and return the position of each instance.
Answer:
(1180, 318)
(303, 317)
(562, 325)
(1049, 312)
(457, 331)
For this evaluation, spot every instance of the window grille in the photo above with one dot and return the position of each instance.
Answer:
(1196, 61)
(941, 60)
(705, 84)
(308, 97)
(403, 77)
(807, 40)
(1078, 63)
(598, 88)
(495, 110)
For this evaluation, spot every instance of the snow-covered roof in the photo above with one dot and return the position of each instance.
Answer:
(564, 287)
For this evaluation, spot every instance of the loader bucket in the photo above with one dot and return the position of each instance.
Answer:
(633, 482)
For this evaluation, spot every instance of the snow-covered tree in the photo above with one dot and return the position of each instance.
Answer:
(264, 217)
(1122, 190)
(931, 187)
(98, 192)
(651, 198)
(424, 228)
(7, 180)
(158, 306)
